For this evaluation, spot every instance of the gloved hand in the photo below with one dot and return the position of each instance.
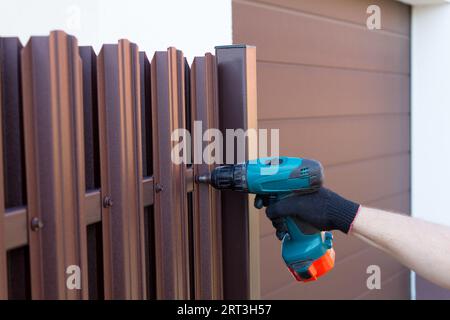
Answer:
(324, 210)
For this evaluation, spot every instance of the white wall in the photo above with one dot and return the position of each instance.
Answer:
(195, 26)
(430, 108)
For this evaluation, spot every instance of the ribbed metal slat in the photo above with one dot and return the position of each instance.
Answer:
(121, 171)
(54, 157)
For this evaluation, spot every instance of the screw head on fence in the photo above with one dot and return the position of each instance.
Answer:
(107, 202)
(158, 188)
(36, 224)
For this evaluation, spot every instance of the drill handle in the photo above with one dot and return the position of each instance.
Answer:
(300, 225)
(297, 227)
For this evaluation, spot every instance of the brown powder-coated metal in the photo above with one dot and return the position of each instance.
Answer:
(90, 112)
(15, 219)
(148, 191)
(121, 171)
(16, 228)
(237, 98)
(3, 268)
(54, 156)
(93, 207)
(13, 158)
(207, 208)
(146, 114)
(170, 207)
(64, 139)
(14, 194)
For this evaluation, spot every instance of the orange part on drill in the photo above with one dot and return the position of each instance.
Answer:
(318, 267)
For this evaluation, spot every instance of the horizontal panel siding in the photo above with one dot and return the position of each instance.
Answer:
(400, 203)
(370, 180)
(308, 91)
(329, 43)
(347, 280)
(353, 11)
(347, 139)
(338, 93)
(393, 288)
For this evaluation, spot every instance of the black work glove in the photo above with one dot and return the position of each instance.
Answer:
(324, 210)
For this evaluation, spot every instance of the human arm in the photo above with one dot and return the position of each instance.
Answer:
(419, 245)
(422, 246)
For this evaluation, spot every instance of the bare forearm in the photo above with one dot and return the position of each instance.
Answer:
(421, 246)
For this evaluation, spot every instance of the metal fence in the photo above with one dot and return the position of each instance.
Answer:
(88, 176)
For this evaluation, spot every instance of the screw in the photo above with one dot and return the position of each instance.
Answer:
(107, 202)
(159, 188)
(36, 224)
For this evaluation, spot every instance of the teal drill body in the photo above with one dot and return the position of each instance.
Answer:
(306, 251)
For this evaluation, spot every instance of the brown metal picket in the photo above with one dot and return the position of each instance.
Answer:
(54, 158)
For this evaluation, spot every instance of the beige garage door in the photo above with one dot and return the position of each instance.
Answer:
(339, 93)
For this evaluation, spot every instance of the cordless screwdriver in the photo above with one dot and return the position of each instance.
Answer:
(307, 252)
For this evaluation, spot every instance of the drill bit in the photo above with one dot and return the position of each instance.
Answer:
(203, 178)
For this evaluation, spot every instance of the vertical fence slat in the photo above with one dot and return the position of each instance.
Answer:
(207, 211)
(13, 161)
(121, 171)
(92, 169)
(54, 157)
(90, 112)
(240, 221)
(146, 116)
(147, 168)
(3, 268)
(14, 173)
(170, 206)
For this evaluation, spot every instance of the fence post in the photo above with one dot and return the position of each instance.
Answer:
(240, 221)
(54, 157)
(121, 171)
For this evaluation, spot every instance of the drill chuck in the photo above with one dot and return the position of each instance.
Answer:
(227, 177)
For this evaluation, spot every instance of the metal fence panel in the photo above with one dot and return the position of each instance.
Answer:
(170, 208)
(54, 157)
(13, 171)
(147, 168)
(3, 269)
(14, 175)
(121, 171)
(102, 192)
(90, 112)
(207, 209)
